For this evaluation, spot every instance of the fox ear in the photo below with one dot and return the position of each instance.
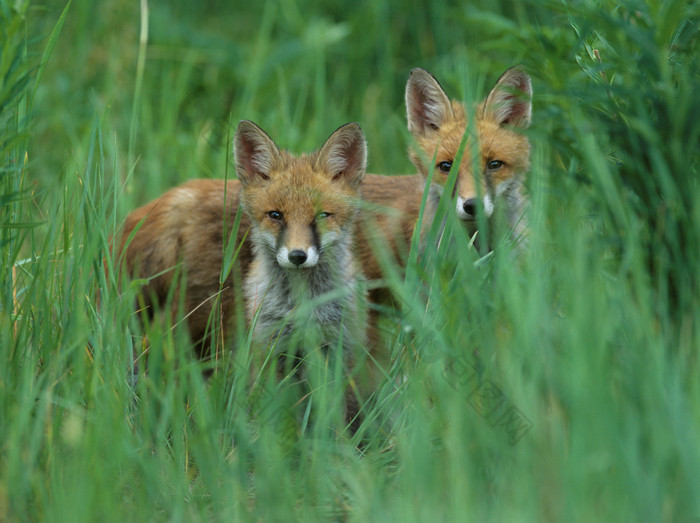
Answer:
(427, 105)
(255, 152)
(344, 154)
(510, 101)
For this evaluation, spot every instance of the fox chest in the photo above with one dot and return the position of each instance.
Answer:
(279, 302)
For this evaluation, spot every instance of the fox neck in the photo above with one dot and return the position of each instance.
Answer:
(514, 203)
(328, 274)
(431, 204)
(275, 293)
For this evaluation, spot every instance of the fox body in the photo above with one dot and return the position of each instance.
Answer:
(302, 212)
(185, 230)
(495, 176)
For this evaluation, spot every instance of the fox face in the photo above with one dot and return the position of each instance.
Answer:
(300, 207)
(438, 126)
(302, 211)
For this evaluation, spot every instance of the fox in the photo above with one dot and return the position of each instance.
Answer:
(495, 178)
(437, 126)
(302, 213)
(189, 226)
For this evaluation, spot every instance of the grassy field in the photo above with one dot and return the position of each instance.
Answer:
(583, 403)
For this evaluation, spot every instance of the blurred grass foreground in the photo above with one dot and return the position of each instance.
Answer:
(564, 386)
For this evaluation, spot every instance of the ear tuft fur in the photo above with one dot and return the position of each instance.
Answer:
(344, 154)
(255, 152)
(510, 101)
(427, 105)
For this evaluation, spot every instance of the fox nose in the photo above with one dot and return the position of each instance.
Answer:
(297, 257)
(470, 206)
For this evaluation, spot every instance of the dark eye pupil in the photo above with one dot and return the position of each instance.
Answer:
(275, 215)
(445, 166)
(495, 164)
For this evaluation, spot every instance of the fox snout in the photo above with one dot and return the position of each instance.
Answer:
(297, 258)
(467, 207)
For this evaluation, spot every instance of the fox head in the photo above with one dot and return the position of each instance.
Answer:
(438, 125)
(299, 206)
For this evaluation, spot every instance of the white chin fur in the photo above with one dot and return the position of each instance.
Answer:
(311, 259)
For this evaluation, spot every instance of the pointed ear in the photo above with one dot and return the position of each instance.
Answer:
(344, 155)
(427, 105)
(510, 101)
(255, 152)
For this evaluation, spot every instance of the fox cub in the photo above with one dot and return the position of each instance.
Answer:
(299, 248)
(438, 126)
(303, 276)
(495, 176)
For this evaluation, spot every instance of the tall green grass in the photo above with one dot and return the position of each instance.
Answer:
(561, 385)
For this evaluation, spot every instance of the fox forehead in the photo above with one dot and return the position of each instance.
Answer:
(499, 143)
(299, 190)
(451, 131)
(495, 142)
(308, 199)
(446, 141)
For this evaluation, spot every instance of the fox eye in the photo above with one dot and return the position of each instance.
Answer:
(494, 164)
(275, 215)
(322, 215)
(445, 166)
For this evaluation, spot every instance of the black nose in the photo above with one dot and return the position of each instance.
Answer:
(297, 257)
(470, 206)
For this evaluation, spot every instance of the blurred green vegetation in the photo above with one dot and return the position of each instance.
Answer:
(562, 386)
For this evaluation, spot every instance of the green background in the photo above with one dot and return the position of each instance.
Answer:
(588, 345)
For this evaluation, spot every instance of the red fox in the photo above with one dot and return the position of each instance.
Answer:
(438, 126)
(187, 226)
(302, 212)
(496, 175)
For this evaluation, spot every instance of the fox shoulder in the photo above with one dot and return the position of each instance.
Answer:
(154, 235)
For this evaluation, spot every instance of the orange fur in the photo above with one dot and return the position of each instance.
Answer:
(495, 175)
(302, 211)
(184, 229)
